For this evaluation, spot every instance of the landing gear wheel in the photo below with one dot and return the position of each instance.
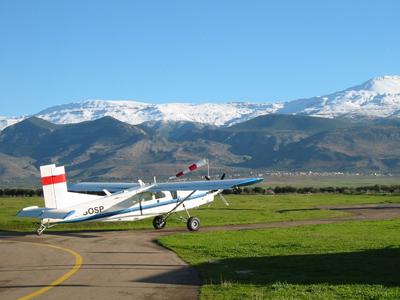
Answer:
(193, 223)
(41, 229)
(159, 222)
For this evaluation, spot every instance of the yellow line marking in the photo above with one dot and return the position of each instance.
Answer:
(75, 268)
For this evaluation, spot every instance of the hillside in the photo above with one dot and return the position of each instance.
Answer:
(109, 149)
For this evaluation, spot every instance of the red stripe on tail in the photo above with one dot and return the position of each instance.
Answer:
(179, 174)
(54, 179)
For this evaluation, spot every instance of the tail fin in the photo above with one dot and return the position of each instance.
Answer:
(54, 183)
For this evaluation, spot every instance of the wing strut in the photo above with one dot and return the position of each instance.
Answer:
(166, 216)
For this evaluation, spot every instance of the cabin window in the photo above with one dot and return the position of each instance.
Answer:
(146, 196)
(159, 195)
(151, 196)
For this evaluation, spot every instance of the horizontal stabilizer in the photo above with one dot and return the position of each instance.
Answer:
(44, 213)
(166, 186)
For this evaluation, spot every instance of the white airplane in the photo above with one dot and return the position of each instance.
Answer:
(124, 201)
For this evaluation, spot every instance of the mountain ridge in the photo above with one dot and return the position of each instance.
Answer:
(378, 97)
(108, 149)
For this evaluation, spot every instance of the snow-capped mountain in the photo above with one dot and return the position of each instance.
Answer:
(133, 112)
(376, 98)
(8, 121)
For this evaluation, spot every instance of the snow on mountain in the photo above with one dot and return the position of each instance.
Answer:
(376, 98)
(381, 85)
(8, 121)
(133, 112)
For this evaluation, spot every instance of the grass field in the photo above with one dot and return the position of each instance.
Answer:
(325, 181)
(352, 260)
(243, 209)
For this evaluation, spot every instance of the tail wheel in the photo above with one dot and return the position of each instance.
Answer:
(193, 223)
(159, 222)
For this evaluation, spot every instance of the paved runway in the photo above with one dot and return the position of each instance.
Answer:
(116, 264)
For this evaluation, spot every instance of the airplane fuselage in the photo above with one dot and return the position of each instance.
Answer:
(126, 206)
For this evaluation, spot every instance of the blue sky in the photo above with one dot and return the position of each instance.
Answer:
(54, 52)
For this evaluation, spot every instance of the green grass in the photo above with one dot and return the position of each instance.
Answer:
(325, 181)
(243, 209)
(351, 260)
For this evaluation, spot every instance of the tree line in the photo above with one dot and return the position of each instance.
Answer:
(371, 189)
(19, 192)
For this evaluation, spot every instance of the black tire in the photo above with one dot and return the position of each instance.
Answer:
(159, 222)
(193, 223)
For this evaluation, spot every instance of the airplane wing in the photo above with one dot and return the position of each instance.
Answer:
(205, 185)
(44, 213)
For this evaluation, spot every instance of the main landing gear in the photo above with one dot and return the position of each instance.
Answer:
(159, 222)
(192, 223)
